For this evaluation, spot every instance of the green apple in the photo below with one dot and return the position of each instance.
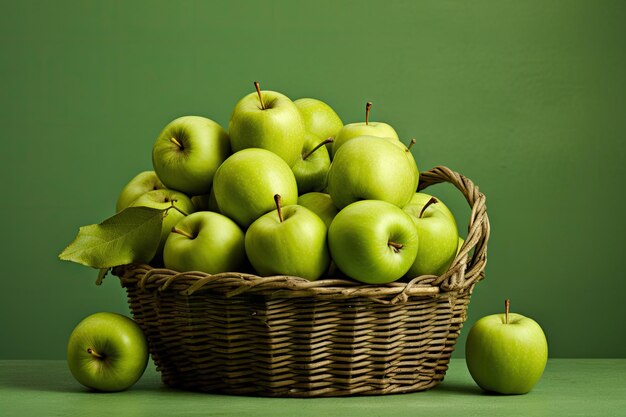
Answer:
(506, 353)
(319, 118)
(162, 199)
(312, 166)
(205, 202)
(290, 240)
(419, 200)
(438, 240)
(107, 352)
(320, 204)
(244, 185)
(187, 153)
(201, 202)
(367, 128)
(140, 184)
(267, 120)
(410, 157)
(212, 203)
(207, 242)
(373, 241)
(368, 168)
(460, 244)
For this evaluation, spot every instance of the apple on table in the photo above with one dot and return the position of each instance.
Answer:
(107, 352)
(506, 353)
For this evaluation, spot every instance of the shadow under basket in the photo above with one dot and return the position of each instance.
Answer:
(283, 336)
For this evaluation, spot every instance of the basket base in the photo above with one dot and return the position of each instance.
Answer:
(327, 392)
(262, 345)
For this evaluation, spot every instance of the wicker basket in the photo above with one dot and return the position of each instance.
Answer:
(284, 336)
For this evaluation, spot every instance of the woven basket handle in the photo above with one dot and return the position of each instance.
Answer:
(465, 270)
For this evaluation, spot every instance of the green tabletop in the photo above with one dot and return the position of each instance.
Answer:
(569, 387)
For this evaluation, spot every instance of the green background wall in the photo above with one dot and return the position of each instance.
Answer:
(528, 99)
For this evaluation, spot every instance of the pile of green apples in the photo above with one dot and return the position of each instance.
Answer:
(291, 190)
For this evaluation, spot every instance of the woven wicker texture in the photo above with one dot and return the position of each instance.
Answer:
(285, 336)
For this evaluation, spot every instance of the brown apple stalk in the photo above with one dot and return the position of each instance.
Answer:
(258, 91)
(432, 200)
(278, 208)
(319, 145)
(507, 304)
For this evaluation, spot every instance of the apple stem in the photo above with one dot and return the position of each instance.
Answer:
(432, 200)
(258, 91)
(175, 208)
(507, 304)
(395, 245)
(182, 232)
(368, 107)
(177, 143)
(278, 208)
(319, 145)
(408, 148)
(94, 353)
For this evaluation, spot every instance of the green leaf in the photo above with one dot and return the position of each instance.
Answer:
(132, 235)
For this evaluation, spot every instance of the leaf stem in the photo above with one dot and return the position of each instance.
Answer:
(176, 208)
(101, 274)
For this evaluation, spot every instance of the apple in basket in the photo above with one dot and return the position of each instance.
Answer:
(438, 238)
(373, 241)
(187, 153)
(245, 185)
(267, 120)
(290, 240)
(311, 168)
(205, 241)
(140, 184)
(320, 204)
(367, 128)
(319, 119)
(371, 168)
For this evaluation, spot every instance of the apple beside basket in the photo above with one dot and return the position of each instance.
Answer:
(284, 336)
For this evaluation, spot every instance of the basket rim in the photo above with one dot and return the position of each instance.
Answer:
(466, 269)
